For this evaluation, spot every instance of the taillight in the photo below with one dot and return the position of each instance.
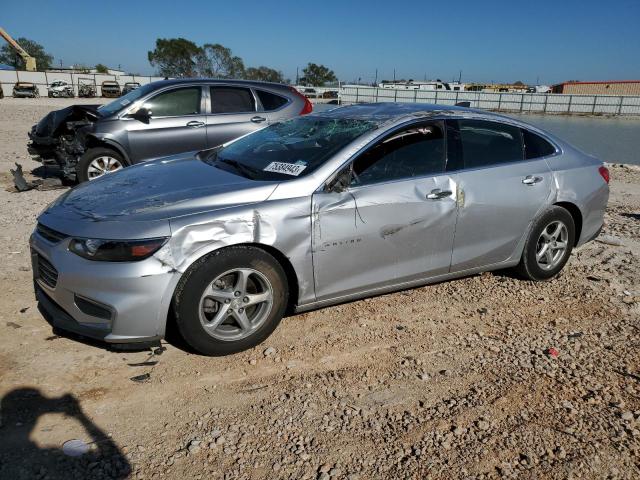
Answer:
(308, 106)
(604, 173)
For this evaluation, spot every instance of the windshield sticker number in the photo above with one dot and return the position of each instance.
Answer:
(285, 168)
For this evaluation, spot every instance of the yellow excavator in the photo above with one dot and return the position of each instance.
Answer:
(30, 62)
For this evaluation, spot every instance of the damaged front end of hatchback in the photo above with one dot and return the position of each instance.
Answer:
(59, 138)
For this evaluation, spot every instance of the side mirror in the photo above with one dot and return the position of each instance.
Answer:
(143, 114)
(341, 181)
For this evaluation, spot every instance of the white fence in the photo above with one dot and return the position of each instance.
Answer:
(8, 79)
(509, 102)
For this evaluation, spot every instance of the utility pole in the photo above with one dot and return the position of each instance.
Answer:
(394, 75)
(297, 77)
(375, 82)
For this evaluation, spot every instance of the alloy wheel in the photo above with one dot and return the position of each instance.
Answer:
(552, 245)
(102, 165)
(236, 304)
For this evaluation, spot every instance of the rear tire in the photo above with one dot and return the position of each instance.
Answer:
(548, 246)
(96, 158)
(210, 300)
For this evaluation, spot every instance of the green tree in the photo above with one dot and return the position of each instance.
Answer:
(215, 60)
(175, 57)
(100, 68)
(9, 56)
(317, 75)
(264, 74)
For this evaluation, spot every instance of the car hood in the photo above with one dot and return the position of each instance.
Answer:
(51, 123)
(159, 190)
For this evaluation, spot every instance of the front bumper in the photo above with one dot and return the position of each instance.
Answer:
(112, 302)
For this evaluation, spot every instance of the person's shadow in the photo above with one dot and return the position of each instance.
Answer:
(21, 458)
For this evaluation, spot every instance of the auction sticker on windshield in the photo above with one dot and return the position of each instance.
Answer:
(286, 168)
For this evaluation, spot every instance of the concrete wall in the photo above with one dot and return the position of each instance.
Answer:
(8, 78)
(509, 102)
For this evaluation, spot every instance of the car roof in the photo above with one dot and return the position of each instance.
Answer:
(384, 113)
(248, 83)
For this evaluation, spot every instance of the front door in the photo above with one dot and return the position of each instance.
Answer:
(176, 125)
(500, 193)
(395, 221)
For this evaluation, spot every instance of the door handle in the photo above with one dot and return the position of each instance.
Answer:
(437, 194)
(195, 124)
(257, 119)
(531, 180)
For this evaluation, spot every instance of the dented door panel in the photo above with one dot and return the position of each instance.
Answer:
(495, 209)
(378, 235)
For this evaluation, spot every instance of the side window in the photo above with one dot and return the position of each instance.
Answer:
(415, 152)
(232, 100)
(535, 146)
(489, 143)
(270, 101)
(183, 101)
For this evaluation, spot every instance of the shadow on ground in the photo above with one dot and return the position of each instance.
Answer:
(22, 458)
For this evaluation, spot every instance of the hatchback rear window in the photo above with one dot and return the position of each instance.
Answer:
(232, 100)
(270, 101)
(535, 146)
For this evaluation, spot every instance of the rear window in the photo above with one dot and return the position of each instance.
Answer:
(535, 146)
(489, 143)
(270, 101)
(232, 100)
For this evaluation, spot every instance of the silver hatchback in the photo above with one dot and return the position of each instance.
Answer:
(321, 209)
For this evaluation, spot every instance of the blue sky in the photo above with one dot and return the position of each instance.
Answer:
(488, 40)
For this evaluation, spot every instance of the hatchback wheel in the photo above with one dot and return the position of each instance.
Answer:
(97, 162)
(230, 300)
(548, 246)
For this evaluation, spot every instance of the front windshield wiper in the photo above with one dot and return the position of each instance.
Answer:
(246, 170)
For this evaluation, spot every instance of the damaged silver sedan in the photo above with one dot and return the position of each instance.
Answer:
(309, 212)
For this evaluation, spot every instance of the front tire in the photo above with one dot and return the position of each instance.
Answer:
(230, 300)
(548, 246)
(97, 162)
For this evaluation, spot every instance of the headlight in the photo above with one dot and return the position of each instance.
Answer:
(116, 250)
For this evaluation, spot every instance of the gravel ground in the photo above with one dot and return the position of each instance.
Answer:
(484, 377)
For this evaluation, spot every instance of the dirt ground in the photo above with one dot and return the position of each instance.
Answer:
(483, 377)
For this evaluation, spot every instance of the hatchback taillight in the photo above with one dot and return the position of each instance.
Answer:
(308, 106)
(604, 173)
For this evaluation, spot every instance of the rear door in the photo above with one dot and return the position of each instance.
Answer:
(499, 191)
(232, 113)
(176, 125)
(394, 223)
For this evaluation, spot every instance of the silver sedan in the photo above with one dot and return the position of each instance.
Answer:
(309, 212)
